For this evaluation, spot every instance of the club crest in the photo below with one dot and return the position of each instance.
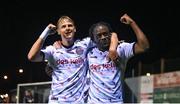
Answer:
(79, 51)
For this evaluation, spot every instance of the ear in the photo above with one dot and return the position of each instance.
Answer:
(75, 30)
(58, 33)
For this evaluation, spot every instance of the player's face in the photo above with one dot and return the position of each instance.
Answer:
(102, 37)
(67, 30)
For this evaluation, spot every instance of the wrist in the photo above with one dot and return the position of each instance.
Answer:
(45, 33)
(132, 23)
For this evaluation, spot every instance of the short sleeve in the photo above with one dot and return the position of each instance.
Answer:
(126, 50)
(48, 51)
(88, 42)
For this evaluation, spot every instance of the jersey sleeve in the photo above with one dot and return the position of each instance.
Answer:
(126, 50)
(88, 42)
(48, 51)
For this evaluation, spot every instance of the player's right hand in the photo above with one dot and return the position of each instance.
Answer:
(52, 29)
(48, 70)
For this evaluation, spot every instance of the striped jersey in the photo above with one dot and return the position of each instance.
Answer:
(69, 71)
(105, 84)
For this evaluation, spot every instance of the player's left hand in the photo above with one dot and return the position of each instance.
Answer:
(57, 44)
(126, 19)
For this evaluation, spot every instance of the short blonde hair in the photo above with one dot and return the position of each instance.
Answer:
(64, 18)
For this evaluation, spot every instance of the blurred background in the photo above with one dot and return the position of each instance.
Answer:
(21, 23)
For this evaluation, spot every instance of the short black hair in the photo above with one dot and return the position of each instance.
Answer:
(91, 29)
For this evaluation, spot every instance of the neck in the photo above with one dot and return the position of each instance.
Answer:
(67, 43)
(102, 49)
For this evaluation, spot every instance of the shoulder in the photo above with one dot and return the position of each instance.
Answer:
(125, 44)
(83, 42)
(83, 39)
(49, 48)
(86, 39)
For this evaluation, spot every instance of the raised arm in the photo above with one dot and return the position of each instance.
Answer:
(113, 46)
(142, 43)
(35, 54)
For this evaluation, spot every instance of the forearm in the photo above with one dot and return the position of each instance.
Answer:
(113, 46)
(114, 42)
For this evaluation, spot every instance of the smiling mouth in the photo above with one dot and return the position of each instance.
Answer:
(69, 35)
(68, 32)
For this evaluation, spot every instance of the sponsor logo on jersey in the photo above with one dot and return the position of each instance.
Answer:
(70, 61)
(102, 67)
(79, 51)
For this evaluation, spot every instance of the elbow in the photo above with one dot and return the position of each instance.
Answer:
(146, 48)
(30, 57)
(147, 45)
(35, 57)
(143, 47)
